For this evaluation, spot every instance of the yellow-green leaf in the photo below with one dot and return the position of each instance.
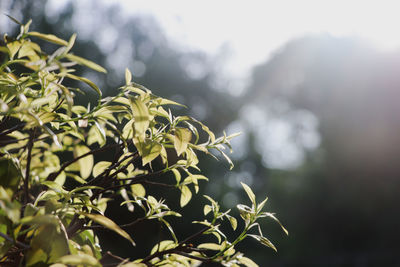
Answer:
(85, 163)
(138, 190)
(108, 223)
(83, 259)
(128, 76)
(247, 262)
(49, 37)
(186, 195)
(211, 246)
(249, 193)
(100, 167)
(150, 150)
(86, 62)
(85, 80)
(182, 138)
(141, 115)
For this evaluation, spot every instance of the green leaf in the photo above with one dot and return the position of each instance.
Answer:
(186, 195)
(86, 62)
(138, 190)
(49, 37)
(100, 167)
(206, 209)
(247, 262)
(10, 176)
(233, 221)
(182, 138)
(263, 240)
(150, 150)
(85, 163)
(177, 175)
(128, 76)
(249, 193)
(141, 115)
(85, 80)
(108, 223)
(211, 246)
(84, 259)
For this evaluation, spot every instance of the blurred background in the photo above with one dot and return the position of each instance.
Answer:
(314, 87)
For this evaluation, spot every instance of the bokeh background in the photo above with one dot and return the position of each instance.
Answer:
(314, 87)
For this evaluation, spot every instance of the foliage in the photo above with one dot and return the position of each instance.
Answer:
(54, 190)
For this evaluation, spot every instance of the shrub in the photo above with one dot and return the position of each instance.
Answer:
(53, 189)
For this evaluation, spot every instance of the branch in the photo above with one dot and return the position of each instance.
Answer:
(54, 175)
(28, 166)
(18, 243)
(12, 129)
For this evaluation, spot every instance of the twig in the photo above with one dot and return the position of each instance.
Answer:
(54, 175)
(12, 129)
(28, 165)
(18, 243)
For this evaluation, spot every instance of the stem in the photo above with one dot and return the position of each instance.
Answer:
(54, 175)
(28, 166)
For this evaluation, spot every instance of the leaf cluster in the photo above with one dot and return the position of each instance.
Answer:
(47, 143)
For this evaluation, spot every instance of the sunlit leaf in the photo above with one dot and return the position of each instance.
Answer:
(80, 259)
(86, 62)
(49, 37)
(247, 262)
(186, 195)
(100, 167)
(128, 76)
(85, 80)
(141, 115)
(263, 240)
(138, 190)
(108, 223)
(182, 138)
(85, 163)
(211, 246)
(249, 193)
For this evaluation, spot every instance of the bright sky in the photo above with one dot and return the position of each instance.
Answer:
(254, 29)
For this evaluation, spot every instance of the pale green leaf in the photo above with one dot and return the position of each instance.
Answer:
(83, 259)
(177, 175)
(247, 262)
(100, 167)
(86, 62)
(85, 80)
(263, 240)
(211, 246)
(233, 222)
(149, 151)
(128, 76)
(49, 37)
(85, 163)
(108, 223)
(182, 138)
(141, 116)
(186, 195)
(138, 190)
(249, 192)
(207, 209)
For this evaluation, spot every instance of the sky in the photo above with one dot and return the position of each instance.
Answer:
(253, 30)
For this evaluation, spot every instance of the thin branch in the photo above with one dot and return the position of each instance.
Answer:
(12, 129)
(54, 175)
(28, 165)
(18, 243)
